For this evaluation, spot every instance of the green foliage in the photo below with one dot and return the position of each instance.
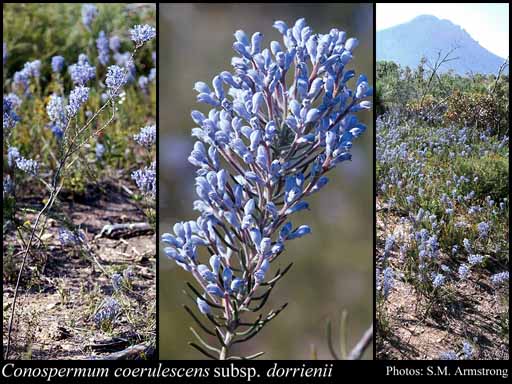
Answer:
(31, 32)
(461, 100)
(34, 31)
(379, 104)
(491, 171)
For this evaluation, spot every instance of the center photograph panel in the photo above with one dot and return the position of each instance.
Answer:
(265, 181)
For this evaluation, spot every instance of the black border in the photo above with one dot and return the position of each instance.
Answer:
(157, 204)
(374, 183)
(341, 370)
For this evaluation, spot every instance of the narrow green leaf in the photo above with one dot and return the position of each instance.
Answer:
(204, 342)
(343, 335)
(329, 340)
(207, 354)
(203, 327)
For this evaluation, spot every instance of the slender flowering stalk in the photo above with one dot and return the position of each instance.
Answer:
(80, 74)
(278, 140)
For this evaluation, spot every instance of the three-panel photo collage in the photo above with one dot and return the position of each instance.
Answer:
(259, 181)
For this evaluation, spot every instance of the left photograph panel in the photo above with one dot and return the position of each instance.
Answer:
(79, 181)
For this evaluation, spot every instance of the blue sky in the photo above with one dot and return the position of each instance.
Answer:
(487, 23)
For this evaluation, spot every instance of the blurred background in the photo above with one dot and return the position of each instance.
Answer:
(333, 267)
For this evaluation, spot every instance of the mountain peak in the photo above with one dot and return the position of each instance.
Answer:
(425, 18)
(433, 20)
(426, 36)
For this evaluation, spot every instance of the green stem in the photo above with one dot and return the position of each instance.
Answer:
(227, 341)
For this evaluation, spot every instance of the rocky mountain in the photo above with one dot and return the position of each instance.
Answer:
(426, 36)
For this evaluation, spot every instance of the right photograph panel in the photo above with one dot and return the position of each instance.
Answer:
(442, 177)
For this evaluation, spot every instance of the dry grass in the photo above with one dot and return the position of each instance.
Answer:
(413, 328)
(63, 287)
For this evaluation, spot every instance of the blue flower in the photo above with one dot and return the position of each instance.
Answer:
(11, 118)
(237, 285)
(115, 43)
(27, 165)
(8, 185)
(152, 74)
(116, 78)
(214, 289)
(57, 64)
(102, 44)
(475, 259)
(203, 306)
(483, 229)
(33, 68)
(67, 237)
(89, 13)
(390, 241)
(21, 80)
(108, 311)
(55, 108)
(299, 232)
(438, 280)
(12, 155)
(468, 350)
(57, 114)
(387, 281)
(145, 179)
(500, 278)
(143, 83)
(448, 355)
(463, 271)
(142, 33)
(82, 71)
(117, 281)
(147, 136)
(467, 245)
(78, 96)
(100, 150)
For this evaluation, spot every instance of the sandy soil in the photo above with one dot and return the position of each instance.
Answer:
(63, 287)
(416, 330)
